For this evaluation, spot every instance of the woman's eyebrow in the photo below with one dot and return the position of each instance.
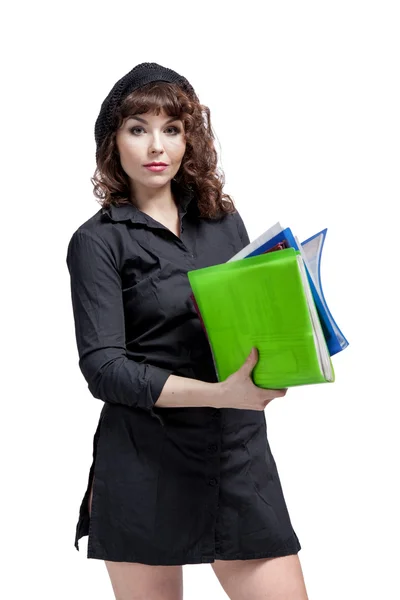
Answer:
(144, 121)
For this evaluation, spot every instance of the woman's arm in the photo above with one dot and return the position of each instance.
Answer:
(96, 293)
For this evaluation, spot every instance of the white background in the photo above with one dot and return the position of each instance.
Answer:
(305, 106)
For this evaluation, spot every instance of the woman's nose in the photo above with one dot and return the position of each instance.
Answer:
(156, 143)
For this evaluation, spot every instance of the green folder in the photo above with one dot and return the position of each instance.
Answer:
(264, 301)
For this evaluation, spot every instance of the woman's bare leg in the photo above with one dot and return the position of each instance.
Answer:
(136, 581)
(262, 579)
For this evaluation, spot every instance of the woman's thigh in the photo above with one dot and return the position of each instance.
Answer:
(136, 581)
(262, 579)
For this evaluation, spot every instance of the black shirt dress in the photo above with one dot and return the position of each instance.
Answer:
(172, 486)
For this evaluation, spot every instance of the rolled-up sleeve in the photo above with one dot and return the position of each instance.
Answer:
(97, 303)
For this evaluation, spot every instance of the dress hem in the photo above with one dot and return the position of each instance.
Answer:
(198, 559)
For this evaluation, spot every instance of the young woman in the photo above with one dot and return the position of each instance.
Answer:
(182, 470)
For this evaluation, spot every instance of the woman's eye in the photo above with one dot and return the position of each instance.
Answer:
(177, 130)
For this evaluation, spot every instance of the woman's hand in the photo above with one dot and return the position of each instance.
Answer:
(239, 390)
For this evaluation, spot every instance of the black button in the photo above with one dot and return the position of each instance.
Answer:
(212, 481)
(212, 448)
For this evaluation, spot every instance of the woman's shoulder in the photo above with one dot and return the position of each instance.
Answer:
(99, 227)
(96, 237)
(231, 220)
(235, 224)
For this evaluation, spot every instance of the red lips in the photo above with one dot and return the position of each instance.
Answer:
(156, 164)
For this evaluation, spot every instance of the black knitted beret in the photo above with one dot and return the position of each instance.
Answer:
(136, 78)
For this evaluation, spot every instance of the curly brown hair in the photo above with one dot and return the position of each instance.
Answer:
(198, 169)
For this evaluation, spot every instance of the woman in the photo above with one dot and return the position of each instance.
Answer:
(182, 471)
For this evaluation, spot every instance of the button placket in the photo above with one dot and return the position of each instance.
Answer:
(212, 447)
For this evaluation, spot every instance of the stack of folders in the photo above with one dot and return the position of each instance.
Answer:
(269, 296)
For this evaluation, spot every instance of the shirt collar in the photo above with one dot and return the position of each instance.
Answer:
(129, 212)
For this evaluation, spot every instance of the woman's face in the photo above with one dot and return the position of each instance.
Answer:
(147, 138)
